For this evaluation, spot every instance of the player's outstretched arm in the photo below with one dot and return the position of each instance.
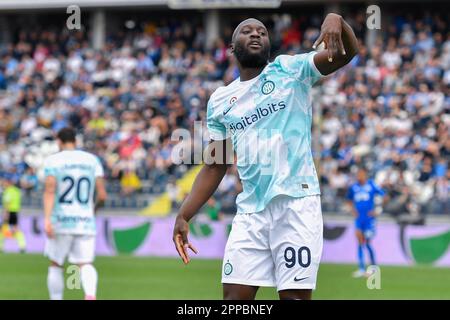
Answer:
(340, 42)
(203, 188)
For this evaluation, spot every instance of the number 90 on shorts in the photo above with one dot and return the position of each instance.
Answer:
(279, 247)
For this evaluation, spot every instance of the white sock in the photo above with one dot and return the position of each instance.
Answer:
(89, 280)
(55, 283)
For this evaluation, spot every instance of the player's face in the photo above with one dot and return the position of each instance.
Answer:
(252, 45)
(361, 176)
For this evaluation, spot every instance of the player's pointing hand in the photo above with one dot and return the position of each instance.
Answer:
(331, 35)
(180, 233)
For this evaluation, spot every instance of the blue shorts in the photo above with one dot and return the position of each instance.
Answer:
(367, 227)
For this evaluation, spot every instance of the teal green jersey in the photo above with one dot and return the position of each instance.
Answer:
(268, 119)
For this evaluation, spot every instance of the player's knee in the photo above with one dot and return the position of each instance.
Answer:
(84, 264)
(303, 294)
(360, 238)
(55, 264)
(228, 295)
(87, 268)
(231, 294)
(236, 296)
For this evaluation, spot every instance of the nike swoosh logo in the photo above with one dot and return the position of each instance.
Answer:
(300, 279)
(225, 112)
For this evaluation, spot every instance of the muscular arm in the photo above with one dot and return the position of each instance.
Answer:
(340, 42)
(203, 188)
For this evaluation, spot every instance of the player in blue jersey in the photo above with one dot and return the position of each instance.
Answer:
(361, 196)
(266, 115)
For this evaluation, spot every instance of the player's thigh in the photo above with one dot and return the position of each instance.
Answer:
(360, 226)
(296, 242)
(360, 236)
(248, 259)
(58, 248)
(239, 292)
(83, 250)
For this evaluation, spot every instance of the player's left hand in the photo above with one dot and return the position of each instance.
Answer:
(48, 228)
(331, 35)
(180, 239)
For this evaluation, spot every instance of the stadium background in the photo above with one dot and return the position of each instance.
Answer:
(136, 71)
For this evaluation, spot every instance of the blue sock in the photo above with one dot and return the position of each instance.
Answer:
(371, 253)
(361, 257)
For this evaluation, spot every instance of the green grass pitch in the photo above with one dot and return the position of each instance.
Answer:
(124, 277)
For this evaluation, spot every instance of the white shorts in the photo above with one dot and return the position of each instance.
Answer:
(279, 247)
(78, 248)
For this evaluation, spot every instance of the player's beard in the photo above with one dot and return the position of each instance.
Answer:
(251, 60)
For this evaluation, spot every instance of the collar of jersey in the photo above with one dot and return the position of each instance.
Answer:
(252, 80)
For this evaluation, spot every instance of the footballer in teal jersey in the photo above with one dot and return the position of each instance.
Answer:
(266, 115)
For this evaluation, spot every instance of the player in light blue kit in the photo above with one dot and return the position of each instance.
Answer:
(361, 196)
(72, 178)
(266, 115)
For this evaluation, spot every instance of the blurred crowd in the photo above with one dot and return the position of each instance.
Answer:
(391, 114)
(388, 110)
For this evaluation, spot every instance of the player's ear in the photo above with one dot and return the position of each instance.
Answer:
(231, 47)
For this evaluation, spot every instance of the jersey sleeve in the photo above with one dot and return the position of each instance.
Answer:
(216, 129)
(377, 190)
(49, 168)
(99, 172)
(301, 66)
(6, 198)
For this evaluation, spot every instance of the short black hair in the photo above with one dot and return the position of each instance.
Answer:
(240, 25)
(66, 135)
